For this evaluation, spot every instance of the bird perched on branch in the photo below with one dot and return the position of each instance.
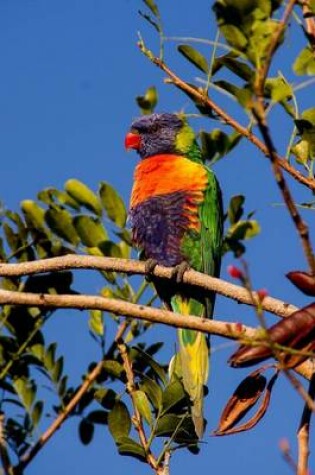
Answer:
(176, 219)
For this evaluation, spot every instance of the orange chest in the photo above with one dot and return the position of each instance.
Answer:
(164, 174)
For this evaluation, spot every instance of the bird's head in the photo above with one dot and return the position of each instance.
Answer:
(157, 134)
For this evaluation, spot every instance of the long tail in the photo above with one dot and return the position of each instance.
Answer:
(194, 357)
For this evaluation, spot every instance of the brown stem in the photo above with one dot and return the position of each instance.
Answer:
(203, 99)
(127, 266)
(309, 22)
(234, 331)
(4, 455)
(300, 389)
(263, 71)
(303, 434)
(137, 419)
(28, 457)
(300, 225)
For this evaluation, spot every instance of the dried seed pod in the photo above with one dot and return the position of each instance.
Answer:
(246, 395)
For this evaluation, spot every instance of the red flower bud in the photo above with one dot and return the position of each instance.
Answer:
(235, 272)
(262, 293)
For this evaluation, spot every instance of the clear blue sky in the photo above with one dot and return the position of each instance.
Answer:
(70, 71)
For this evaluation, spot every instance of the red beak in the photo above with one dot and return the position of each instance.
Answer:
(132, 140)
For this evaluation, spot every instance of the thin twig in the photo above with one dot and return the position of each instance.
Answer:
(128, 266)
(300, 389)
(201, 98)
(137, 419)
(89, 380)
(303, 434)
(260, 115)
(263, 71)
(300, 225)
(4, 455)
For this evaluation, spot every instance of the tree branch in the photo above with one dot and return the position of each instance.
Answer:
(137, 419)
(128, 266)
(234, 331)
(303, 433)
(4, 456)
(202, 98)
(263, 71)
(28, 457)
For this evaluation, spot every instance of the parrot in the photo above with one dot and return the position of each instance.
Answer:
(176, 220)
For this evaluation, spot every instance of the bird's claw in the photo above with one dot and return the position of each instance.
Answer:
(149, 266)
(179, 271)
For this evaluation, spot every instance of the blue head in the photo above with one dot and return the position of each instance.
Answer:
(155, 134)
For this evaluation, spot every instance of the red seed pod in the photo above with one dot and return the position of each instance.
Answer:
(296, 331)
(304, 281)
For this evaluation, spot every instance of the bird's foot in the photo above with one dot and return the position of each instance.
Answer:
(149, 266)
(179, 271)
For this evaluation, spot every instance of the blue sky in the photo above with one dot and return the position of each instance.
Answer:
(70, 71)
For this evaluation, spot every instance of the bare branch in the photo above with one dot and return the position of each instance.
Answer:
(28, 457)
(203, 99)
(119, 307)
(4, 456)
(137, 419)
(303, 434)
(128, 266)
(234, 331)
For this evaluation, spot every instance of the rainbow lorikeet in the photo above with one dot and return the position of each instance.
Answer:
(176, 218)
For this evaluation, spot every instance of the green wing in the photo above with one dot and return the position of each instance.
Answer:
(203, 251)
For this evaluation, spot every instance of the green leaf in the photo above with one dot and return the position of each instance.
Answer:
(234, 36)
(305, 62)
(37, 413)
(148, 102)
(90, 230)
(236, 210)
(167, 425)
(96, 322)
(57, 370)
(239, 68)
(309, 115)
(86, 431)
(119, 421)
(242, 94)
(152, 6)
(301, 150)
(11, 237)
(113, 368)
(98, 417)
(83, 195)
(152, 390)
(142, 403)
(60, 222)
(26, 390)
(34, 214)
(49, 358)
(173, 394)
(195, 57)
(278, 89)
(62, 386)
(110, 249)
(127, 446)
(113, 204)
(244, 230)
(156, 367)
(106, 397)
